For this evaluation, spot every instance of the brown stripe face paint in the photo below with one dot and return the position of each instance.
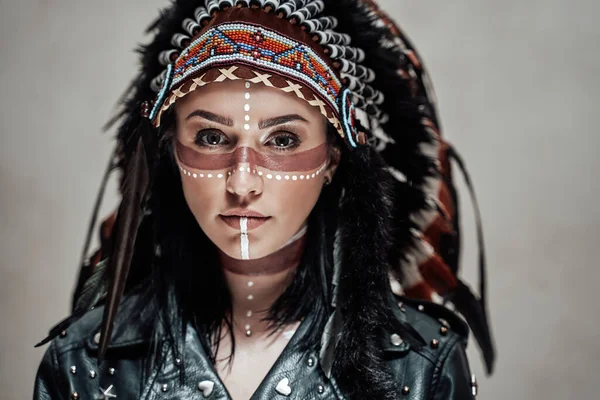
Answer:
(286, 258)
(307, 160)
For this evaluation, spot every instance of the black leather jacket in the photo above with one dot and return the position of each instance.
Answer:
(69, 369)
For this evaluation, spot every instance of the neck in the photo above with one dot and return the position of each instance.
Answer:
(256, 284)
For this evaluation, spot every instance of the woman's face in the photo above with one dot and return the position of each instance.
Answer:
(253, 161)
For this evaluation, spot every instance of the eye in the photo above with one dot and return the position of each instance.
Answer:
(210, 137)
(284, 141)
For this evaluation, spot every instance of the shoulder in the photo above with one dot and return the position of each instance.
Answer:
(429, 357)
(434, 327)
(436, 324)
(130, 327)
(70, 366)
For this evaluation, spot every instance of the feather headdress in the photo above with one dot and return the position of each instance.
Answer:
(398, 213)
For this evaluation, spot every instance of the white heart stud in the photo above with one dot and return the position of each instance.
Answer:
(283, 387)
(206, 387)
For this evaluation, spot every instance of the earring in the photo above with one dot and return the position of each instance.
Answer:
(327, 181)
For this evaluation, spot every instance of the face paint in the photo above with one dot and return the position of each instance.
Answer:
(287, 257)
(225, 182)
(244, 242)
(305, 161)
(247, 107)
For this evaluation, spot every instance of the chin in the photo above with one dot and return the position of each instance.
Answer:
(258, 248)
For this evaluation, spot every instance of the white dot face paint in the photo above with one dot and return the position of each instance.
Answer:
(244, 242)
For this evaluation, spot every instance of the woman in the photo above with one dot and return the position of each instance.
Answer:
(252, 253)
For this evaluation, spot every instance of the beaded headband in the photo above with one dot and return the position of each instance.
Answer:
(282, 44)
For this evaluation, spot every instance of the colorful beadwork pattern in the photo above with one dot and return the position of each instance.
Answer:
(253, 45)
(258, 46)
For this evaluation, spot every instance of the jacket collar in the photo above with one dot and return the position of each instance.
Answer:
(134, 330)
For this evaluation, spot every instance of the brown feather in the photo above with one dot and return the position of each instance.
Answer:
(129, 217)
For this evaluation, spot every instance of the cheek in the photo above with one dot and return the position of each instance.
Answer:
(294, 200)
(202, 196)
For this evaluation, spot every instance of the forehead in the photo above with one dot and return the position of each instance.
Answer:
(239, 98)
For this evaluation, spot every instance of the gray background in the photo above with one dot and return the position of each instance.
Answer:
(518, 89)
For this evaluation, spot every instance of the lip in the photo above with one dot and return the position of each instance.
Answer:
(239, 212)
(232, 218)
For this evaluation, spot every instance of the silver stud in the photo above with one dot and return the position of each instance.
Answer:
(405, 390)
(97, 338)
(178, 361)
(92, 374)
(310, 361)
(73, 369)
(443, 330)
(248, 332)
(320, 389)
(111, 371)
(283, 387)
(396, 339)
(164, 387)
(63, 334)
(474, 385)
(247, 85)
(435, 343)
(206, 387)
(421, 307)
(75, 396)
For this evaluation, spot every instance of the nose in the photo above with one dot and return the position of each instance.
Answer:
(244, 180)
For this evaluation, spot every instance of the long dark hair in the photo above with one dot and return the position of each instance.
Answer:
(185, 282)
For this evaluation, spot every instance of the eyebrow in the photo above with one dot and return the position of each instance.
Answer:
(267, 123)
(211, 117)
